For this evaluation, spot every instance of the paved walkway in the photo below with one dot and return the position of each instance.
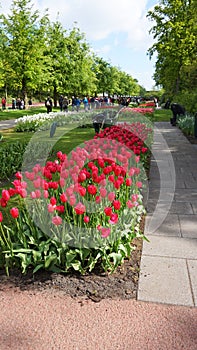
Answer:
(7, 124)
(169, 261)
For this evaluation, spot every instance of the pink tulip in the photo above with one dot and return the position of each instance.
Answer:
(103, 192)
(105, 232)
(111, 196)
(57, 220)
(113, 218)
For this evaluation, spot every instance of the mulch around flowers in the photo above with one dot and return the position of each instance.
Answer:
(96, 286)
(192, 139)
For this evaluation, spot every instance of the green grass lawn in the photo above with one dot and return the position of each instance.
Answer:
(16, 113)
(162, 115)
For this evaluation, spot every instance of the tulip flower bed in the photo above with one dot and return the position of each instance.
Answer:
(145, 111)
(147, 104)
(44, 120)
(80, 211)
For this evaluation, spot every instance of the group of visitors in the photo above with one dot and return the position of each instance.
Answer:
(75, 102)
(18, 103)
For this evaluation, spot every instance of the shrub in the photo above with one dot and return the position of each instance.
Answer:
(186, 124)
(11, 156)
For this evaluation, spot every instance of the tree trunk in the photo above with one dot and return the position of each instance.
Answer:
(55, 95)
(177, 85)
(6, 92)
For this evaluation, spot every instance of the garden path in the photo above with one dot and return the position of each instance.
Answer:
(169, 261)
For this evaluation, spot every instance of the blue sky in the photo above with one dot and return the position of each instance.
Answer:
(116, 30)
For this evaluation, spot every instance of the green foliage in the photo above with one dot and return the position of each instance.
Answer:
(39, 56)
(31, 248)
(186, 124)
(11, 156)
(175, 31)
(22, 47)
(112, 80)
(188, 99)
(27, 246)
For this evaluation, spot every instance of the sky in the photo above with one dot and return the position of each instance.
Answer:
(117, 31)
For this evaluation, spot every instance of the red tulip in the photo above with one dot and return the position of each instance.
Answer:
(14, 212)
(5, 195)
(116, 204)
(92, 189)
(108, 211)
(80, 208)
(86, 219)
(63, 198)
(128, 182)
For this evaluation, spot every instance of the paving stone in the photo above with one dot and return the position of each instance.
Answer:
(157, 183)
(162, 224)
(190, 184)
(170, 247)
(175, 207)
(167, 194)
(186, 194)
(194, 207)
(192, 266)
(164, 280)
(188, 224)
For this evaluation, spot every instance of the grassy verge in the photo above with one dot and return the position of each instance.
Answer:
(162, 115)
(16, 113)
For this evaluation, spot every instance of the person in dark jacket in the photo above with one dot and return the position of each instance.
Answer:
(177, 110)
(61, 98)
(49, 104)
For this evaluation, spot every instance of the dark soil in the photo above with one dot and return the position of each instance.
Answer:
(192, 139)
(96, 286)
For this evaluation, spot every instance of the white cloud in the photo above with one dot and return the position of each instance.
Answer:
(99, 19)
(145, 79)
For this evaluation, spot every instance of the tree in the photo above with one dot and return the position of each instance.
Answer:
(175, 30)
(56, 58)
(112, 80)
(22, 47)
(103, 74)
(81, 77)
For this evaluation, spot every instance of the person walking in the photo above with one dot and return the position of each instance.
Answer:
(77, 103)
(65, 104)
(85, 103)
(3, 103)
